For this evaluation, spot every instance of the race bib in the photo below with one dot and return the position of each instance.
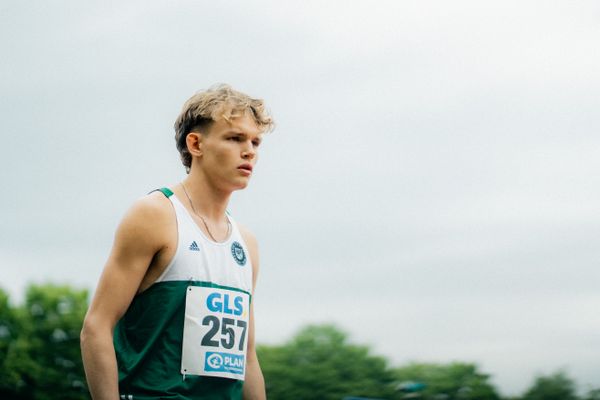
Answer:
(215, 332)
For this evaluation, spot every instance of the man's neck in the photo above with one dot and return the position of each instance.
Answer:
(207, 200)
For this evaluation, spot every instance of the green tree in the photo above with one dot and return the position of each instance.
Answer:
(8, 334)
(455, 381)
(43, 358)
(593, 394)
(319, 363)
(557, 386)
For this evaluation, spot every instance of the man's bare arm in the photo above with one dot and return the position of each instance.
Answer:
(137, 240)
(254, 383)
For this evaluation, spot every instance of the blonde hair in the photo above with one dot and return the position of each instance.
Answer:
(218, 102)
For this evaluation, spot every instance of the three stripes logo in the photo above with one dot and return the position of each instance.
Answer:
(194, 246)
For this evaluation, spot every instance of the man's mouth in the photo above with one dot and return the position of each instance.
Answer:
(246, 167)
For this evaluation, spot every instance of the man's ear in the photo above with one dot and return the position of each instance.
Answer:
(194, 143)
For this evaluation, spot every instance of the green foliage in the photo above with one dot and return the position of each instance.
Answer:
(40, 359)
(557, 386)
(42, 356)
(319, 363)
(452, 381)
(8, 333)
(593, 394)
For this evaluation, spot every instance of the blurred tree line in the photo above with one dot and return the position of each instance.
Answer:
(40, 359)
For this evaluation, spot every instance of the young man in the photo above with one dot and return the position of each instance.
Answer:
(172, 316)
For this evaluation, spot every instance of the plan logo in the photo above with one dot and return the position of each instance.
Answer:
(224, 362)
(214, 361)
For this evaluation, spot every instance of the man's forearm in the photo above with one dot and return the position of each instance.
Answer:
(100, 364)
(254, 384)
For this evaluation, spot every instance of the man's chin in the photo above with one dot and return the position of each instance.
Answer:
(241, 185)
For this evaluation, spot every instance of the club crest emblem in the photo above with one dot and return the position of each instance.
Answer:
(237, 251)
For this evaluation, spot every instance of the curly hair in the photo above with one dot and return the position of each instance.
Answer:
(218, 102)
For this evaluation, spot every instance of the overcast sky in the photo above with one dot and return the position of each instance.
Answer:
(432, 186)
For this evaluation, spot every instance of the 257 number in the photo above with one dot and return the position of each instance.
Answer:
(227, 332)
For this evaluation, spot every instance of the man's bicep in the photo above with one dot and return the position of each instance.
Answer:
(134, 247)
(117, 286)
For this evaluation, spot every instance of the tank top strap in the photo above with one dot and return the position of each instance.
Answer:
(166, 191)
(235, 230)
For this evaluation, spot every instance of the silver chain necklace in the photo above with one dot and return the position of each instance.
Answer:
(202, 219)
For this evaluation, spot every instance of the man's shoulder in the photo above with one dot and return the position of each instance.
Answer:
(247, 235)
(154, 203)
(148, 212)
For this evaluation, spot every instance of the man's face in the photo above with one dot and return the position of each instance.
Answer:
(230, 151)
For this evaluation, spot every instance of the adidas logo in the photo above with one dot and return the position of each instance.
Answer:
(194, 246)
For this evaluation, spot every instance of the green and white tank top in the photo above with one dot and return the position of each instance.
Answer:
(185, 337)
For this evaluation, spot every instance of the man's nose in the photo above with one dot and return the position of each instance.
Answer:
(248, 153)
